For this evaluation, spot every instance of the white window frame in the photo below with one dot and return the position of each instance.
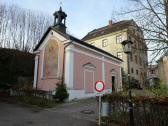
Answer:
(104, 43)
(119, 39)
(121, 54)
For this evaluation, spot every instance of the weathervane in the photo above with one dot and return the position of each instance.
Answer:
(61, 2)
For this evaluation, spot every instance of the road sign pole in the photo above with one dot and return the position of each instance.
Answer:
(99, 87)
(99, 110)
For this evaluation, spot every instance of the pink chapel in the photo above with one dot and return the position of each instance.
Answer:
(60, 57)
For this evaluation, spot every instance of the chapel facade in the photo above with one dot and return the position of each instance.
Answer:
(62, 58)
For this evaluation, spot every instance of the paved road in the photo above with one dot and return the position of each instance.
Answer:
(68, 114)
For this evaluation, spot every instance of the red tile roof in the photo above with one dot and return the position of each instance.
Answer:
(108, 29)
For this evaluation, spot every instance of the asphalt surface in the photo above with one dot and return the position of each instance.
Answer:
(81, 113)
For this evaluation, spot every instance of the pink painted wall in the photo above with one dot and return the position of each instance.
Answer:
(108, 74)
(81, 59)
(49, 84)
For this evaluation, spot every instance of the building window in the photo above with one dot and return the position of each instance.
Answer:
(144, 64)
(89, 72)
(119, 39)
(140, 61)
(132, 70)
(136, 59)
(93, 43)
(152, 71)
(88, 80)
(134, 31)
(145, 74)
(137, 72)
(131, 57)
(137, 45)
(120, 55)
(104, 43)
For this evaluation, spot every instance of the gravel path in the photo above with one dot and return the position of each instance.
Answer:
(81, 113)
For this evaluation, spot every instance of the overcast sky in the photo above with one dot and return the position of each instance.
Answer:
(83, 15)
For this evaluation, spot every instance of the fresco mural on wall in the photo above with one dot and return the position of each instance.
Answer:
(50, 67)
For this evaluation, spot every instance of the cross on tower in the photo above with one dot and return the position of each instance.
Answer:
(60, 19)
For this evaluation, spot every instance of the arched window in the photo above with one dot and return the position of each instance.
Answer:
(89, 66)
(89, 81)
(50, 61)
(113, 72)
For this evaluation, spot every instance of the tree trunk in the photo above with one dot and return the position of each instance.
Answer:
(166, 12)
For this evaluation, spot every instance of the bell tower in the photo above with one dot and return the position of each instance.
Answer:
(60, 20)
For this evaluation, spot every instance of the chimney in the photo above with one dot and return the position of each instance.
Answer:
(110, 23)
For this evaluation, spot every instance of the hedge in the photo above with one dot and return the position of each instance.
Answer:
(15, 64)
(147, 111)
(136, 99)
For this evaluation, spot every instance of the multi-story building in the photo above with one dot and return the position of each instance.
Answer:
(109, 38)
(152, 71)
(163, 69)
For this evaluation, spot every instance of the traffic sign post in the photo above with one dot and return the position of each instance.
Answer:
(99, 110)
(99, 87)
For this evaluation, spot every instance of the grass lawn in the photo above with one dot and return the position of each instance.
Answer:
(36, 101)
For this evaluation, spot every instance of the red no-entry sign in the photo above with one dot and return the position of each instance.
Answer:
(99, 86)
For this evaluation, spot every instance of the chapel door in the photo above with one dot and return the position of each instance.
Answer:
(113, 83)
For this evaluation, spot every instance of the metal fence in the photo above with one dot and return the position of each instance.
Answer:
(38, 93)
(145, 114)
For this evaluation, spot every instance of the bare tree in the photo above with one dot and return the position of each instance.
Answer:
(152, 18)
(21, 28)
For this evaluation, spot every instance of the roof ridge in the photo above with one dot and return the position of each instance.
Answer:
(93, 47)
(75, 39)
(99, 31)
(108, 25)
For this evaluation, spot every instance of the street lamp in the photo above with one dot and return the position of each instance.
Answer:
(127, 47)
